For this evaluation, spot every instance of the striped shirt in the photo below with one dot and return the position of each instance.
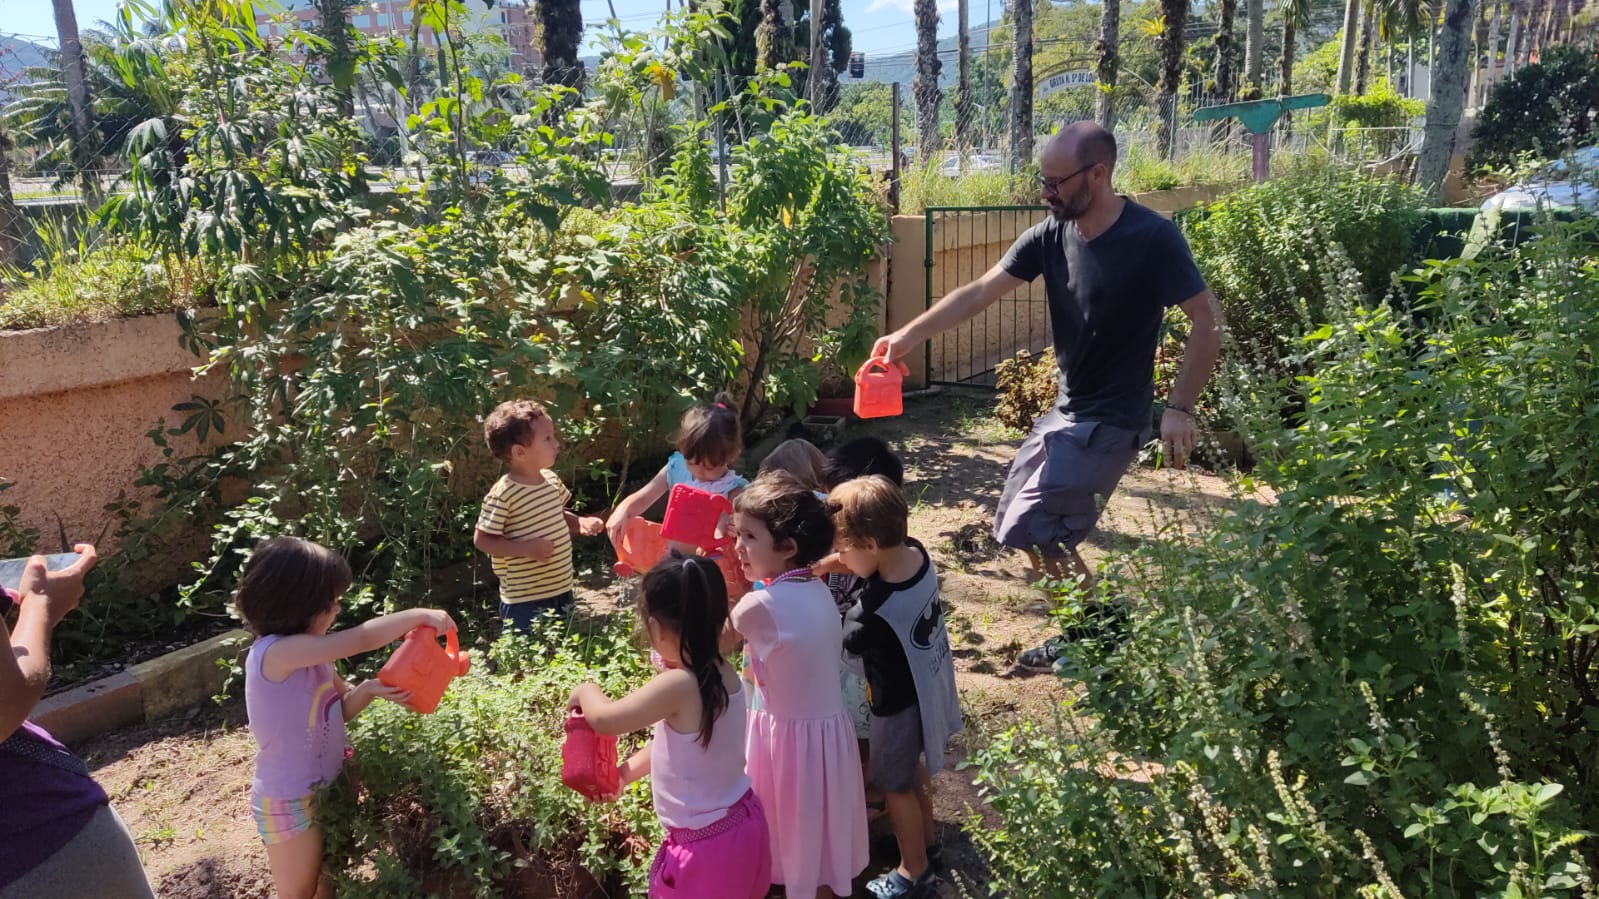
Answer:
(516, 511)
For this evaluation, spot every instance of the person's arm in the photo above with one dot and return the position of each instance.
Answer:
(305, 650)
(47, 596)
(657, 700)
(354, 700)
(1179, 430)
(536, 548)
(959, 305)
(637, 766)
(634, 506)
(584, 525)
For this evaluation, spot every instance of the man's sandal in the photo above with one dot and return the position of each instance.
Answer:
(895, 885)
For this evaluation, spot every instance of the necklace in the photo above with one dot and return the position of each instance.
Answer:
(796, 574)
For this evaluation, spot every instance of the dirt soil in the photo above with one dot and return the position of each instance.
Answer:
(183, 784)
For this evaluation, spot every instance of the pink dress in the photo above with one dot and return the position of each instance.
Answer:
(801, 754)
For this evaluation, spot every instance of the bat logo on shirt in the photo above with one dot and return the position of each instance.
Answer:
(927, 625)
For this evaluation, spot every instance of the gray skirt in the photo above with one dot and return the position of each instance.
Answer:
(1064, 473)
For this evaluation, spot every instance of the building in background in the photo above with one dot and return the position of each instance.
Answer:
(513, 23)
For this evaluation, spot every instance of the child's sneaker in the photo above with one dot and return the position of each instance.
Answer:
(894, 885)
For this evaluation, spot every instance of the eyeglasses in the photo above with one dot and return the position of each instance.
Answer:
(1052, 185)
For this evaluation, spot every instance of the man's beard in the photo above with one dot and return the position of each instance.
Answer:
(1070, 210)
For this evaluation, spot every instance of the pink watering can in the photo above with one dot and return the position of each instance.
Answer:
(423, 668)
(694, 516)
(588, 759)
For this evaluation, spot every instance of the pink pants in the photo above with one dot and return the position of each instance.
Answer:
(730, 859)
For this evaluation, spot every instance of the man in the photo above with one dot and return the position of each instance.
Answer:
(1110, 269)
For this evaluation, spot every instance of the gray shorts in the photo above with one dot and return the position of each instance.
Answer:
(1064, 473)
(101, 861)
(896, 748)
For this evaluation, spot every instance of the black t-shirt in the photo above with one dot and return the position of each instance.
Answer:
(891, 687)
(1106, 300)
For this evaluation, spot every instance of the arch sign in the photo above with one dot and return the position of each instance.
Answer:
(1062, 80)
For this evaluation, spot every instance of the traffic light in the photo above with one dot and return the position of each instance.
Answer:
(857, 65)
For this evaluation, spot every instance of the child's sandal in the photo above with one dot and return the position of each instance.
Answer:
(894, 885)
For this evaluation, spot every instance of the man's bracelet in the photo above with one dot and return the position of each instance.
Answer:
(1183, 409)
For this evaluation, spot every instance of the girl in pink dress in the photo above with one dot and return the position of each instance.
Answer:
(717, 845)
(801, 751)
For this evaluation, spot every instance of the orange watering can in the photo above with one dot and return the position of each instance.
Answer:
(588, 759)
(877, 388)
(421, 667)
(694, 516)
(733, 574)
(642, 546)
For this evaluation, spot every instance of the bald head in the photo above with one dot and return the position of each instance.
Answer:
(1086, 143)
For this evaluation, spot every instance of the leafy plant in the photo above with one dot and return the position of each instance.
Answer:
(1380, 682)
(468, 800)
(1544, 108)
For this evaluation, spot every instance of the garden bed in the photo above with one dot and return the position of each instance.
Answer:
(183, 784)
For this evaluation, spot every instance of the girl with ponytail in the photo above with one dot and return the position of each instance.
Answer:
(717, 844)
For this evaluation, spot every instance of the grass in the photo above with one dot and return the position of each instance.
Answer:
(93, 278)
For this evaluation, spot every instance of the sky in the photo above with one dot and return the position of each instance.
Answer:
(878, 26)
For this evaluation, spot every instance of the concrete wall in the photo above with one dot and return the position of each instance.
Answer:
(964, 245)
(75, 405)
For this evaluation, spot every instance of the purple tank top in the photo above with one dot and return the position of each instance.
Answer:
(298, 725)
(46, 797)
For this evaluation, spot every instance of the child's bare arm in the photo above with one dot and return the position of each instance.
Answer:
(356, 699)
(305, 650)
(585, 525)
(662, 697)
(634, 506)
(536, 548)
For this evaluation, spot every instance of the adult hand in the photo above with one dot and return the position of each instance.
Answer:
(58, 591)
(616, 526)
(1179, 432)
(891, 347)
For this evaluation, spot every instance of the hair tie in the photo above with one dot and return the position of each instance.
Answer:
(721, 405)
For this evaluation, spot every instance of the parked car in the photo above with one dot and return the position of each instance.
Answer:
(1566, 183)
(975, 162)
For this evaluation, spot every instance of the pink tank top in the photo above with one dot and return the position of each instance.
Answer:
(695, 785)
(298, 725)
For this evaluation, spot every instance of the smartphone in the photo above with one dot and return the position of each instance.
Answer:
(11, 569)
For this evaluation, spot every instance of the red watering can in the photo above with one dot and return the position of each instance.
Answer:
(877, 392)
(421, 667)
(588, 759)
(693, 516)
(733, 574)
(642, 546)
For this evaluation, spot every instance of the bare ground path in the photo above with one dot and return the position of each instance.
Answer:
(183, 784)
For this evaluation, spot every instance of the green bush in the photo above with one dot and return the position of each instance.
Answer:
(1382, 682)
(469, 800)
(1264, 252)
(1543, 109)
(86, 276)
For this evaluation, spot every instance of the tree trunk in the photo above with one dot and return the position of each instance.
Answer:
(1285, 74)
(1174, 16)
(1255, 44)
(333, 26)
(1479, 46)
(774, 37)
(1448, 98)
(816, 74)
(80, 126)
(1109, 48)
(925, 86)
(1224, 50)
(1346, 47)
(1494, 33)
(963, 79)
(1532, 37)
(557, 31)
(1368, 26)
(1021, 87)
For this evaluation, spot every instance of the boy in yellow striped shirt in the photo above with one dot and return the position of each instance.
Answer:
(525, 527)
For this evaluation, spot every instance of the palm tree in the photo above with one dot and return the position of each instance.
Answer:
(1021, 87)
(1168, 33)
(1363, 47)
(1448, 98)
(774, 37)
(333, 26)
(1108, 48)
(963, 78)
(80, 126)
(1224, 49)
(1296, 15)
(1255, 44)
(556, 34)
(925, 85)
(1346, 46)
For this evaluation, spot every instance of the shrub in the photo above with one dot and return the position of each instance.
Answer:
(87, 276)
(1543, 109)
(469, 800)
(1026, 388)
(1263, 251)
(1382, 682)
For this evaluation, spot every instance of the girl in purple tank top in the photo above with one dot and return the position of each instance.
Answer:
(717, 844)
(297, 704)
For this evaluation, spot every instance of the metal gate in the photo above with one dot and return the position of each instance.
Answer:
(962, 243)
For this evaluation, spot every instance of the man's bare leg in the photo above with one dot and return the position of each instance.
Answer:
(1069, 567)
